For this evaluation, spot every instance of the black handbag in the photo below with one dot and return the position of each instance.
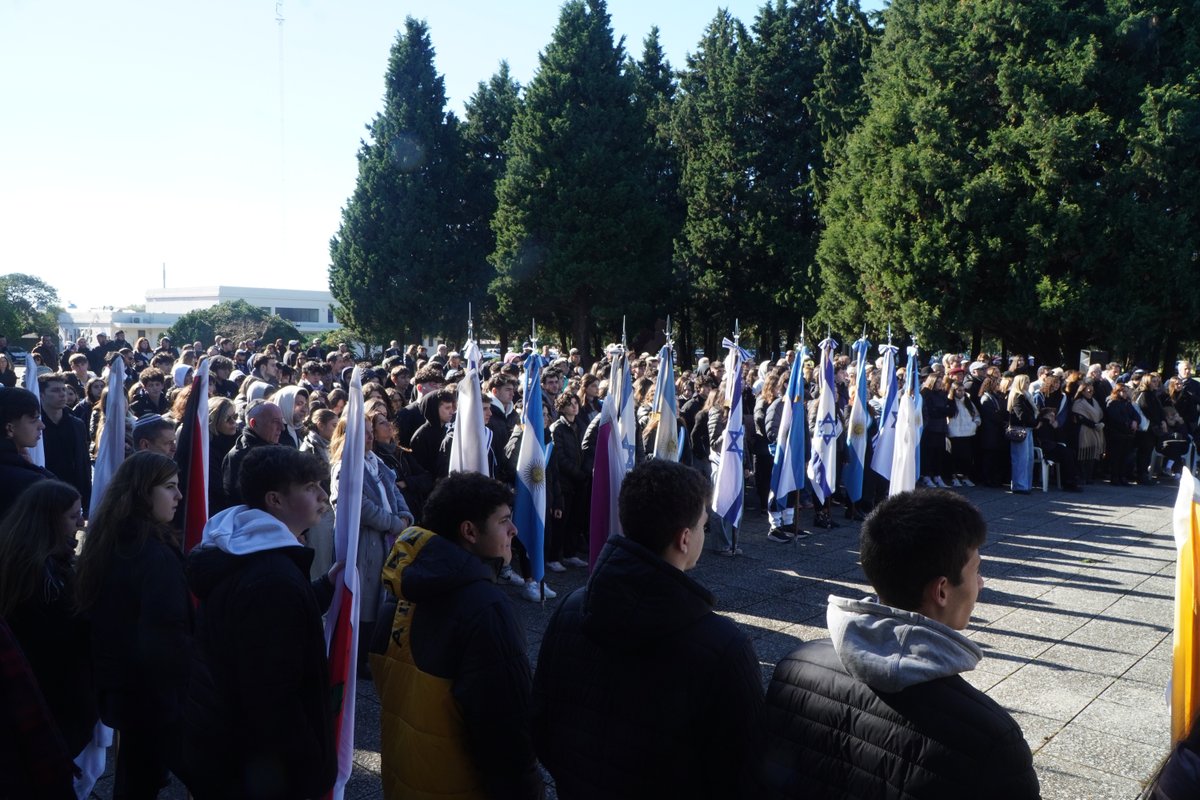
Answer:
(1016, 433)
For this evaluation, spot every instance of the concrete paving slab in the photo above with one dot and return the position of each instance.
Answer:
(1104, 751)
(1062, 779)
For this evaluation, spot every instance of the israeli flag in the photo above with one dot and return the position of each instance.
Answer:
(787, 471)
(37, 453)
(668, 444)
(881, 458)
(856, 437)
(908, 431)
(529, 512)
(472, 439)
(822, 466)
(730, 482)
(626, 414)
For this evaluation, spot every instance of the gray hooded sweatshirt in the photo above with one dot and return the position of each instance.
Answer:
(890, 649)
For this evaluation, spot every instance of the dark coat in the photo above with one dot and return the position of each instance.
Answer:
(1023, 414)
(936, 408)
(16, 474)
(427, 439)
(259, 713)
(231, 467)
(568, 455)
(141, 636)
(642, 690)
(66, 446)
(993, 416)
(57, 642)
(832, 736)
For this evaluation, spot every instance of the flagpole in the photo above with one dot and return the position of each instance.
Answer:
(803, 421)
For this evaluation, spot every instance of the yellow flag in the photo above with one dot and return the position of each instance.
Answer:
(1185, 670)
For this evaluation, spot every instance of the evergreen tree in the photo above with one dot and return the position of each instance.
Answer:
(714, 182)
(576, 226)
(782, 146)
(490, 114)
(399, 256)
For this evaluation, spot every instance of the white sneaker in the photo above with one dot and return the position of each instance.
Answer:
(507, 574)
(926, 482)
(574, 561)
(530, 592)
(955, 483)
(967, 483)
(938, 482)
(555, 566)
(550, 593)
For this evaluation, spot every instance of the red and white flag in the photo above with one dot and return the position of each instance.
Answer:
(341, 623)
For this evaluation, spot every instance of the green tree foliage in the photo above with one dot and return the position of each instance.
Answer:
(402, 251)
(578, 236)
(235, 319)
(1005, 173)
(490, 114)
(27, 305)
(709, 125)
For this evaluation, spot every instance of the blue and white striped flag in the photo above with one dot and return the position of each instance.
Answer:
(787, 470)
(856, 437)
(730, 482)
(881, 458)
(529, 511)
(37, 453)
(668, 444)
(908, 431)
(626, 413)
(822, 466)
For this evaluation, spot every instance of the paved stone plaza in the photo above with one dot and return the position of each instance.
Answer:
(1075, 622)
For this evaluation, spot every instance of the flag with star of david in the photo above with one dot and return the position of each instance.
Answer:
(529, 508)
(908, 431)
(729, 485)
(885, 438)
(787, 469)
(856, 437)
(822, 465)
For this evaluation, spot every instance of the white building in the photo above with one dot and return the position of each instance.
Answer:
(310, 311)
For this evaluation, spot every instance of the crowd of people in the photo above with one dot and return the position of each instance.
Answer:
(211, 664)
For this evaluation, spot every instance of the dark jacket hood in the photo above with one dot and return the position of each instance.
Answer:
(428, 404)
(423, 565)
(634, 598)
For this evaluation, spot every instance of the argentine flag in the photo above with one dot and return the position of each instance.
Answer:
(668, 443)
(881, 459)
(787, 470)
(822, 466)
(856, 437)
(908, 431)
(529, 512)
(730, 481)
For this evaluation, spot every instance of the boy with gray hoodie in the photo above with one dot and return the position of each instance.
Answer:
(881, 709)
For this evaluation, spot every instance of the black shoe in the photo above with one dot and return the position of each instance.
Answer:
(801, 534)
(853, 513)
(825, 522)
(781, 536)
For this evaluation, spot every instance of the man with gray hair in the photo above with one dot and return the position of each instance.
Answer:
(264, 424)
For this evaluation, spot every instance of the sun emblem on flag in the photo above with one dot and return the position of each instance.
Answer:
(535, 474)
(858, 429)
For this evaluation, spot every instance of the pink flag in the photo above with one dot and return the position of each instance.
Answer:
(341, 623)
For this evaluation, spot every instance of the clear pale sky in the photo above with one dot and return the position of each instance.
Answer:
(137, 133)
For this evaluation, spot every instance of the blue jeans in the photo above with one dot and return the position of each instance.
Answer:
(1022, 463)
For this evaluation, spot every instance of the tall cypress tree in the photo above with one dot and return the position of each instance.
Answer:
(490, 114)
(398, 257)
(710, 132)
(576, 226)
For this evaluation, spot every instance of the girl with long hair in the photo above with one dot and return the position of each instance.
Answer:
(37, 599)
(1021, 416)
(130, 581)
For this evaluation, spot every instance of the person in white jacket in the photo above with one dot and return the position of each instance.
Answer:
(962, 427)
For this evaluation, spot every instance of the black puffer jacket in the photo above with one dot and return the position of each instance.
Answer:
(17, 474)
(259, 713)
(931, 741)
(642, 690)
